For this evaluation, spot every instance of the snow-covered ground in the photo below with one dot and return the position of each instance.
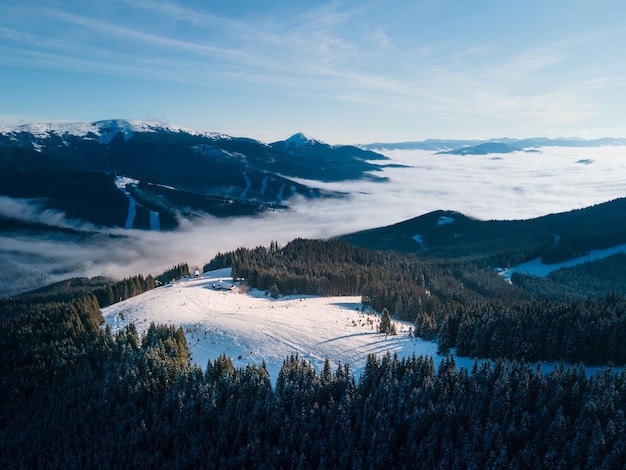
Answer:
(104, 130)
(537, 268)
(248, 184)
(121, 182)
(250, 327)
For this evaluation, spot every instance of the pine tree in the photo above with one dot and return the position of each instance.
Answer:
(274, 291)
(386, 325)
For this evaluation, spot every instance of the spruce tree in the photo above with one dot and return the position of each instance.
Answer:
(386, 325)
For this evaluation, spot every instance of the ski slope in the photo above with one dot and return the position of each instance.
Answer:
(219, 317)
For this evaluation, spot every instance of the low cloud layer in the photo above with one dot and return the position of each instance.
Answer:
(512, 186)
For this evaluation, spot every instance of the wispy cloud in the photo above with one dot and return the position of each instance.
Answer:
(427, 58)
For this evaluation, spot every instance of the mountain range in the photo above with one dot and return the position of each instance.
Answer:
(500, 145)
(144, 175)
(72, 185)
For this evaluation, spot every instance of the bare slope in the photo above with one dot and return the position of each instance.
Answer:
(253, 327)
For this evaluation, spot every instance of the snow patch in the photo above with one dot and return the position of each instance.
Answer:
(443, 220)
(47, 130)
(279, 197)
(109, 129)
(264, 185)
(155, 223)
(248, 184)
(122, 181)
(420, 240)
(537, 268)
(300, 140)
(132, 210)
(217, 153)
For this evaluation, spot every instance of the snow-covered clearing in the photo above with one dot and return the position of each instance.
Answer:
(537, 268)
(252, 327)
(418, 238)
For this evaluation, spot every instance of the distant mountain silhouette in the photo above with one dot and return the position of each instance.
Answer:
(483, 149)
(443, 145)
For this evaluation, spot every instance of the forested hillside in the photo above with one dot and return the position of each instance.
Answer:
(554, 237)
(459, 302)
(74, 396)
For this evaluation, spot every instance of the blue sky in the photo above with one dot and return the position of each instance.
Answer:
(341, 71)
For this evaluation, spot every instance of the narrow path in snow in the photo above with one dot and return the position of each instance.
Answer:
(248, 183)
(264, 185)
(155, 223)
(280, 193)
(121, 182)
(132, 210)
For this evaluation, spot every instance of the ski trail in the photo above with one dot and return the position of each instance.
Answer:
(155, 223)
(264, 185)
(280, 193)
(132, 210)
(248, 183)
(121, 182)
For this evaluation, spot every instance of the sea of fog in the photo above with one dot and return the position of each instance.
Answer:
(497, 186)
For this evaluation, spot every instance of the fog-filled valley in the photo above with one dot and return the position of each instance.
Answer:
(416, 297)
(517, 185)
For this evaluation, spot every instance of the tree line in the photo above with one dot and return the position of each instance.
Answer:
(106, 290)
(593, 331)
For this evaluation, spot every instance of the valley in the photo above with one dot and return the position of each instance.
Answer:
(332, 300)
(356, 191)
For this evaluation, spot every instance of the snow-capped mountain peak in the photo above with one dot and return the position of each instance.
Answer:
(103, 131)
(300, 140)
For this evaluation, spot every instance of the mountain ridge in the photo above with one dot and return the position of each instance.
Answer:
(180, 172)
(554, 237)
(447, 145)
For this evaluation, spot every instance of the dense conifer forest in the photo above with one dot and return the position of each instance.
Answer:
(462, 303)
(73, 395)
